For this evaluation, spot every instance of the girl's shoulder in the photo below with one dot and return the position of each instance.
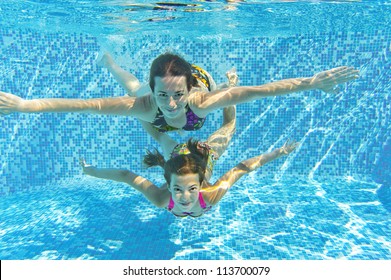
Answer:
(208, 192)
(165, 196)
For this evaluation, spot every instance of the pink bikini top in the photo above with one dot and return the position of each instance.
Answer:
(203, 205)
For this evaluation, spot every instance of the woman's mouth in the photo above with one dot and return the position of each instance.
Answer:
(177, 107)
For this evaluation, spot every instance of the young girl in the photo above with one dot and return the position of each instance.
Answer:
(187, 191)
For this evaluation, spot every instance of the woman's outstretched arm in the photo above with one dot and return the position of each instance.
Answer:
(157, 196)
(326, 81)
(220, 188)
(128, 106)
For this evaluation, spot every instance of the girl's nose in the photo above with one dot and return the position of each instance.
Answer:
(186, 196)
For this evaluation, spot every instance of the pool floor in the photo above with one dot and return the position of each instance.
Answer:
(288, 219)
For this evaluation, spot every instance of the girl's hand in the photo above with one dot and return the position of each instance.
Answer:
(9, 103)
(328, 80)
(105, 61)
(87, 169)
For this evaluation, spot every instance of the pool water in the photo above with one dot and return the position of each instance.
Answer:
(291, 219)
(330, 199)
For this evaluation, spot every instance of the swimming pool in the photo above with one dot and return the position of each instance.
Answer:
(330, 199)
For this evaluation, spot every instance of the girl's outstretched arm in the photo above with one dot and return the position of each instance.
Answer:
(220, 188)
(157, 196)
(204, 103)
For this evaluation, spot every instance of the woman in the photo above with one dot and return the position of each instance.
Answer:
(178, 100)
(187, 191)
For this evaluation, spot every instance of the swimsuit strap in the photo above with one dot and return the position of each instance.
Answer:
(170, 204)
(202, 201)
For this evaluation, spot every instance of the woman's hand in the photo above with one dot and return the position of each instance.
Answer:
(289, 147)
(232, 77)
(10, 103)
(328, 80)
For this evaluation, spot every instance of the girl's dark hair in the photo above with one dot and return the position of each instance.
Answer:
(154, 159)
(193, 163)
(171, 64)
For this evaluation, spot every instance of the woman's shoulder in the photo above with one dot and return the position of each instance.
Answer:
(148, 105)
(195, 101)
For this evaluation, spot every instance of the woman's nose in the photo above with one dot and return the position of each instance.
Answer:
(172, 102)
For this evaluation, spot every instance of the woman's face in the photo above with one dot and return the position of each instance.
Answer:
(171, 95)
(185, 190)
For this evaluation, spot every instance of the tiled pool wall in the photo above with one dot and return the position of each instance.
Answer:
(342, 135)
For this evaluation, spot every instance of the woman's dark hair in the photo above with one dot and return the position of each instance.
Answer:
(171, 64)
(193, 163)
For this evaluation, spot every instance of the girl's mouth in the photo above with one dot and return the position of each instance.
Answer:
(185, 204)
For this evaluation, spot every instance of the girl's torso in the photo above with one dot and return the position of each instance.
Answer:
(198, 210)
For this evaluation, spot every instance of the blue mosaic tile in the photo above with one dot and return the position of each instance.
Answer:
(323, 216)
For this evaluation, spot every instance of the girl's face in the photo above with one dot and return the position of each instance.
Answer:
(171, 95)
(185, 190)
